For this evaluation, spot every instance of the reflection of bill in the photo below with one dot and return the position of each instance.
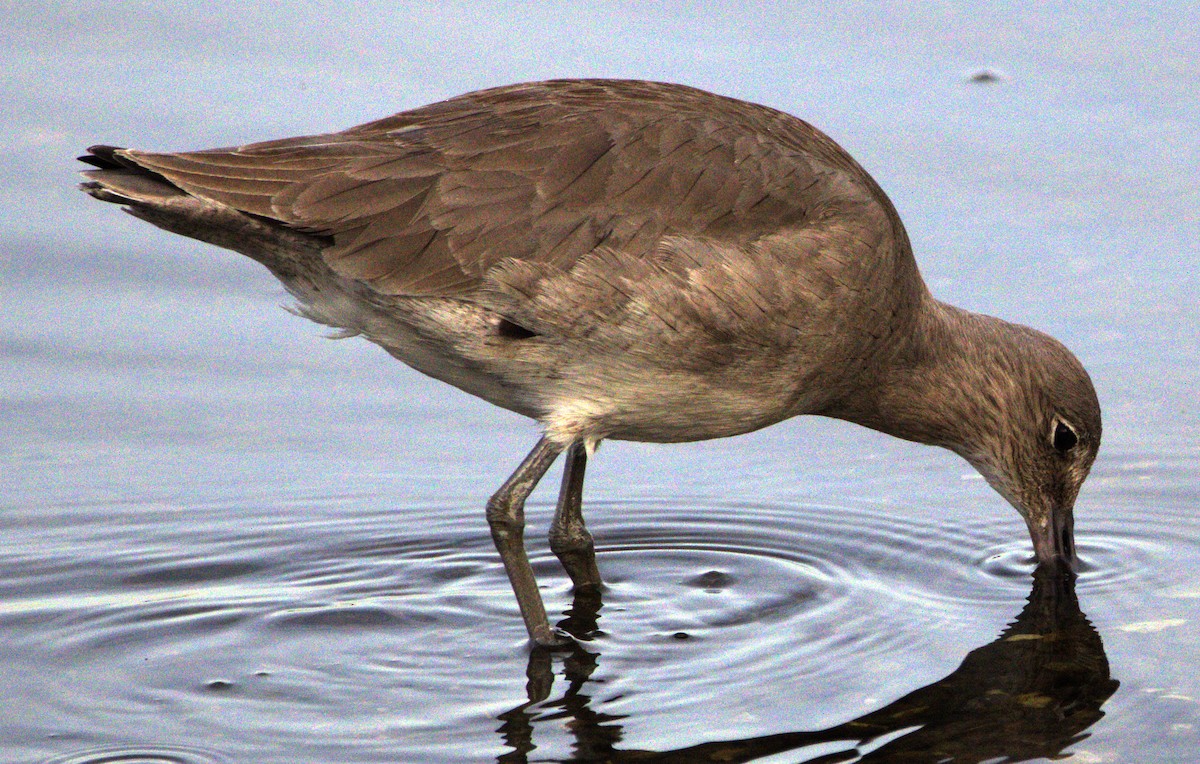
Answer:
(1027, 695)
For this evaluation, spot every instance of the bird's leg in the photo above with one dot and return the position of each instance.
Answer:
(506, 516)
(569, 537)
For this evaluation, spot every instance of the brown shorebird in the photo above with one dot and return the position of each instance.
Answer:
(634, 261)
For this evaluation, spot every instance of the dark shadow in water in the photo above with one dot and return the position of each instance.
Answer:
(1027, 695)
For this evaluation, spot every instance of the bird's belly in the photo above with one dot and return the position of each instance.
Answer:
(417, 333)
(576, 392)
(667, 408)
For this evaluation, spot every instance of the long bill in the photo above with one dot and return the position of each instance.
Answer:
(1054, 538)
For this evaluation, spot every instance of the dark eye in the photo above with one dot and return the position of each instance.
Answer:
(1064, 437)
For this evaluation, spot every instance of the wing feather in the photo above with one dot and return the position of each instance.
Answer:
(429, 200)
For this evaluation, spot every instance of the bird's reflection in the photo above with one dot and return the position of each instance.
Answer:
(1029, 694)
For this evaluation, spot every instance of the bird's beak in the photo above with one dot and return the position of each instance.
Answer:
(1054, 538)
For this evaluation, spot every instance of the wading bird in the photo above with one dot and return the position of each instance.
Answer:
(634, 261)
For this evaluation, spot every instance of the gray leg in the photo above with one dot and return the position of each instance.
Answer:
(569, 537)
(506, 516)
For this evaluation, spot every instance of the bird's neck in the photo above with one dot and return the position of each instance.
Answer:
(938, 385)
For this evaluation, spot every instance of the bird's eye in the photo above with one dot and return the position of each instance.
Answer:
(1064, 437)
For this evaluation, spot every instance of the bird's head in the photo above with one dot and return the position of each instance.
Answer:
(1033, 431)
(1012, 401)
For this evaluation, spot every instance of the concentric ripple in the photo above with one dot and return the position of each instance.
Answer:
(383, 624)
(823, 594)
(1105, 559)
(140, 755)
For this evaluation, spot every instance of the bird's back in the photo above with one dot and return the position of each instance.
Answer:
(676, 264)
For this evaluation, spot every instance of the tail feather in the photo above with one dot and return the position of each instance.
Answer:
(119, 179)
(128, 187)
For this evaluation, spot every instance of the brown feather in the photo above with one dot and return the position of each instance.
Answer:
(427, 201)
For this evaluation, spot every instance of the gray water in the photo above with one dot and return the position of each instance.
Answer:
(224, 538)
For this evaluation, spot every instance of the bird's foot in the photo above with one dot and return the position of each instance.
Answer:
(553, 639)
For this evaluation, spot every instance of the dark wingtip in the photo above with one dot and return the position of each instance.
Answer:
(105, 157)
(116, 177)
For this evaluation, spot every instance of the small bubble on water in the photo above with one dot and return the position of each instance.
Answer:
(985, 76)
(713, 581)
